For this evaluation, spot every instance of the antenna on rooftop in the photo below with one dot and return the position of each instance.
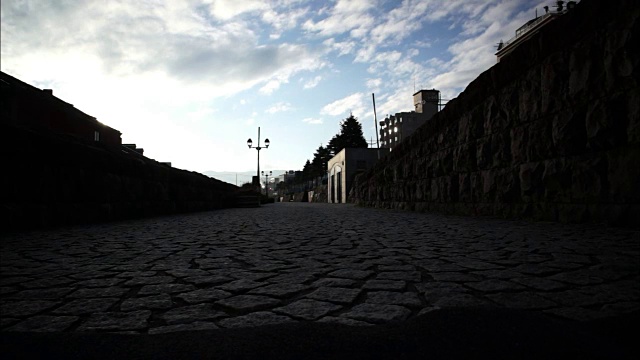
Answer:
(499, 45)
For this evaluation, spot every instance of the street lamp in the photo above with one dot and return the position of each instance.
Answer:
(266, 181)
(266, 145)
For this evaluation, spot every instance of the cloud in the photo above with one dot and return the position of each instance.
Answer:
(227, 9)
(132, 39)
(343, 48)
(346, 16)
(279, 107)
(313, 121)
(353, 103)
(374, 83)
(312, 82)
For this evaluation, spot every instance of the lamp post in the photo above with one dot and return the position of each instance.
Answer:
(266, 145)
(266, 181)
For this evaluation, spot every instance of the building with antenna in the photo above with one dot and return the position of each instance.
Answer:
(395, 128)
(532, 26)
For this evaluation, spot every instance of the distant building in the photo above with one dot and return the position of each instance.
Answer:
(26, 106)
(395, 128)
(532, 26)
(343, 168)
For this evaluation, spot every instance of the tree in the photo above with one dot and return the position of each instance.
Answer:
(350, 136)
(306, 171)
(320, 159)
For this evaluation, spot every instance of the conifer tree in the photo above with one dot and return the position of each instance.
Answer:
(350, 136)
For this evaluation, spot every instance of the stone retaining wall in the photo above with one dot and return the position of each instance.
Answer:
(551, 132)
(51, 179)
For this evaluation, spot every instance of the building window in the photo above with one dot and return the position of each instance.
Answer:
(395, 129)
(96, 136)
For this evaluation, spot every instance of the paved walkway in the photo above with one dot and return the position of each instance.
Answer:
(296, 262)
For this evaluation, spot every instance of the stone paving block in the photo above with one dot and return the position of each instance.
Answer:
(563, 265)
(136, 274)
(428, 309)
(335, 294)
(156, 302)
(203, 295)
(504, 274)
(240, 285)
(458, 300)
(571, 258)
(208, 279)
(13, 280)
(248, 302)
(98, 283)
(494, 285)
(213, 264)
(130, 267)
(44, 323)
(198, 325)
(150, 280)
(248, 275)
(6, 321)
(375, 313)
(455, 277)
(478, 265)
(343, 321)
(181, 273)
(22, 308)
(191, 313)
(374, 284)
(7, 290)
(86, 275)
(99, 292)
(540, 283)
(165, 288)
(308, 309)
(396, 268)
(522, 300)
(334, 282)
(578, 277)
(279, 290)
(435, 268)
(292, 278)
(351, 274)
(119, 321)
(171, 266)
(535, 269)
(399, 275)
(51, 293)
(86, 306)
(47, 283)
(408, 299)
(254, 319)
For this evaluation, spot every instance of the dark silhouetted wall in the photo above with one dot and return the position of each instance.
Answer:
(552, 132)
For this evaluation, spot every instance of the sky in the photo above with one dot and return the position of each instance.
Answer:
(191, 81)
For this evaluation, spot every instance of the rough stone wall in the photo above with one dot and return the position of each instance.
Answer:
(550, 133)
(50, 179)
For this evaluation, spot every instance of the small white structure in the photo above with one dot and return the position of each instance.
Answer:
(343, 168)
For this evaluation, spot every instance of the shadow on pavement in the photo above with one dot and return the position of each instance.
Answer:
(443, 334)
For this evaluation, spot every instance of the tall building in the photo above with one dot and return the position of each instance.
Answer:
(395, 128)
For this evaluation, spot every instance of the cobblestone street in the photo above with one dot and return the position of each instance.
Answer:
(291, 262)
